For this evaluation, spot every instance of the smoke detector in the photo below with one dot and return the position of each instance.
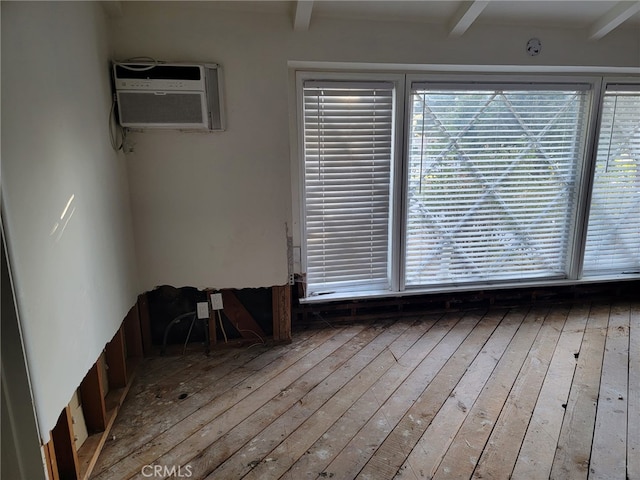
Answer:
(534, 46)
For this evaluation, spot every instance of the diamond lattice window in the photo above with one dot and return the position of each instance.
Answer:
(491, 183)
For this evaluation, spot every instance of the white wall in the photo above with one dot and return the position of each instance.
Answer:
(65, 194)
(210, 210)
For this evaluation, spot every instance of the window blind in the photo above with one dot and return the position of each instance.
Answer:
(347, 175)
(613, 234)
(491, 183)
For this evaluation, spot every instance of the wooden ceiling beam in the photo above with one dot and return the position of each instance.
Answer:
(620, 13)
(302, 18)
(465, 16)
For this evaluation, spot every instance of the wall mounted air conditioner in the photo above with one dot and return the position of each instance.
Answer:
(169, 95)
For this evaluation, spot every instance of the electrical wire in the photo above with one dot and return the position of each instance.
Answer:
(224, 333)
(124, 65)
(113, 124)
(250, 331)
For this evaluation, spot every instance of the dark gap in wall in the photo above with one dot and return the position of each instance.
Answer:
(258, 303)
(167, 302)
(333, 313)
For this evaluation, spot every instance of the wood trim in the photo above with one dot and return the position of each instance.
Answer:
(93, 404)
(240, 316)
(281, 298)
(66, 456)
(116, 360)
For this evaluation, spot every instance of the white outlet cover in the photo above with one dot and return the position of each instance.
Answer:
(216, 301)
(203, 310)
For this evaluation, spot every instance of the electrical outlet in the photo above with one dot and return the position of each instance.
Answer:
(216, 301)
(203, 310)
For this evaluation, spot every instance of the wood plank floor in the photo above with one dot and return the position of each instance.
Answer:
(523, 393)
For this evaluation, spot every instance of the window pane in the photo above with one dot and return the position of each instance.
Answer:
(347, 175)
(491, 183)
(613, 236)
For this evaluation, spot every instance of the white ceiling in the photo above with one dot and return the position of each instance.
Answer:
(557, 12)
(599, 17)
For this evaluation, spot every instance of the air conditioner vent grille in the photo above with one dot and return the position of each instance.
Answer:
(180, 109)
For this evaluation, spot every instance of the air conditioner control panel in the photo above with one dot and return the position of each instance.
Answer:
(157, 84)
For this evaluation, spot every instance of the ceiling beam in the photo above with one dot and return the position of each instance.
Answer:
(619, 14)
(465, 16)
(302, 17)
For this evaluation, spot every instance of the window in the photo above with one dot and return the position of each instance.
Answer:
(483, 182)
(491, 182)
(348, 130)
(613, 238)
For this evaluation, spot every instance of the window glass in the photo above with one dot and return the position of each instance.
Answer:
(613, 236)
(491, 183)
(347, 175)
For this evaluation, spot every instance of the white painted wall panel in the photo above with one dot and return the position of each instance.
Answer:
(65, 194)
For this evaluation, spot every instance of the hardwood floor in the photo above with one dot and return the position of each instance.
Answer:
(545, 392)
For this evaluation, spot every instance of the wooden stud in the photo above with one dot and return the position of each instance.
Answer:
(116, 360)
(213, 320)
(281, 298)
(145, 324)
(50, 460)
(93, 405)
(66, 456)
(133, 333)
(239, 316)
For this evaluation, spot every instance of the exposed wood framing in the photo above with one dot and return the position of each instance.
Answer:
(611, 20)
(239, 316)
(99, 408)
(465, 16)
(281, 313)
(302, 17)
(145, 324)
(93, 404)
(50, 460)
(66, 457)
(213, 320)
(116, 360)
(133, 333)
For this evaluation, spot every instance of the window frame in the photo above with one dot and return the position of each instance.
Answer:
(403, 78)
(583, 167)
(398, 112)
(605, 81)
